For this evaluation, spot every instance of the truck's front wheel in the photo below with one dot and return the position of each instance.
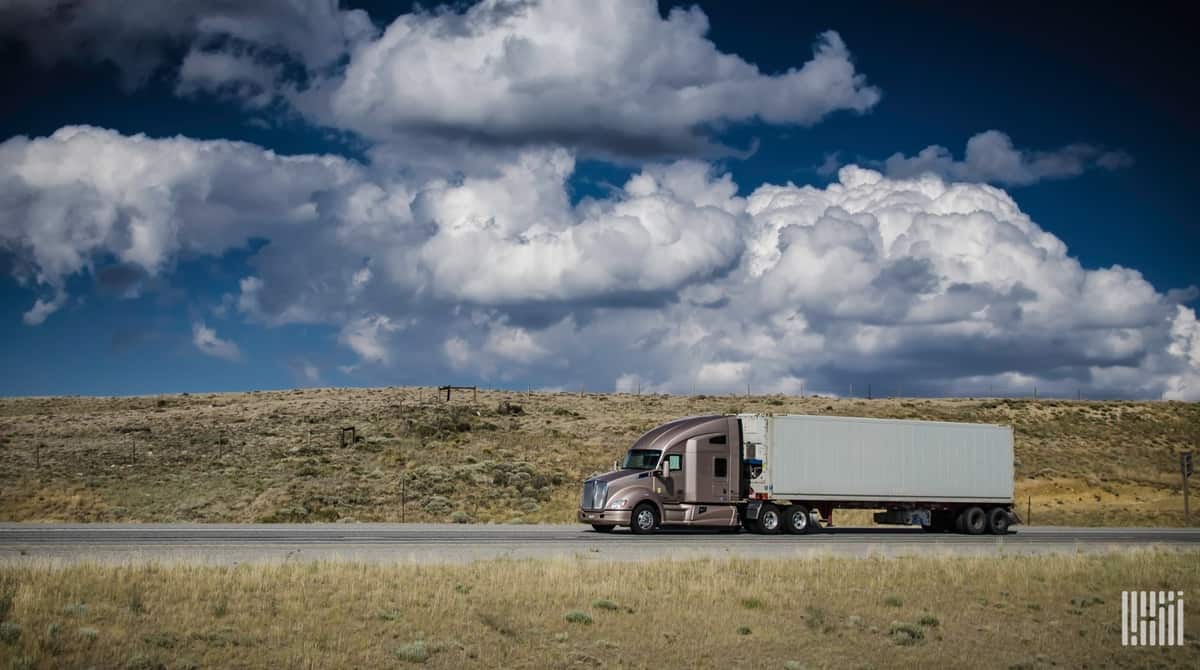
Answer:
(644, 519)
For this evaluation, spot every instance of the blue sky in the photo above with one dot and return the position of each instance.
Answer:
(630, 243)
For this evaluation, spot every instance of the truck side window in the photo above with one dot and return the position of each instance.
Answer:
(720, 467)
(675, 461)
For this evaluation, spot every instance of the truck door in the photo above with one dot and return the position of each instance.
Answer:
(718, 469)
(673, 484)
(707, 469)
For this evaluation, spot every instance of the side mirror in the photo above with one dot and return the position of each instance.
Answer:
(664, 469)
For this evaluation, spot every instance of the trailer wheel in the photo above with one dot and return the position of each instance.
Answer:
(796, 520)
(602, 528)
(973, 521)
(998, 520)
(644, 519)
(770, 520)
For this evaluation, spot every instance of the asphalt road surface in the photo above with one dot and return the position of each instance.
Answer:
(445, 543)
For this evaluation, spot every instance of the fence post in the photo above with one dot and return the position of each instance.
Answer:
(37, 455)
(1029, 510)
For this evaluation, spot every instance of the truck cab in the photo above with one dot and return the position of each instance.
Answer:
(687, 472)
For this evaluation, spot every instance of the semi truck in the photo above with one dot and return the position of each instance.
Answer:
(788, 473)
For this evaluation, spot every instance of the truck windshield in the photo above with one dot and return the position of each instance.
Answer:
(642, 459)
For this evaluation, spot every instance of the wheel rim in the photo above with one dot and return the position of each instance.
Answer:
(770, 521)
(799, 520)
(645, 519)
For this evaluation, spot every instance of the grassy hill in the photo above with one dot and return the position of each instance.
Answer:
(507, 457)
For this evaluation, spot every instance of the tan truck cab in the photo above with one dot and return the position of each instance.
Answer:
(686, 472)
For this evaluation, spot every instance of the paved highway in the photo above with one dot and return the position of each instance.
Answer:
(232, 544)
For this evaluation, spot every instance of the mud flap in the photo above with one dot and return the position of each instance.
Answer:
(752, 509)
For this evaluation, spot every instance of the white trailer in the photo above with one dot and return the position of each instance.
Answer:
(939, 475)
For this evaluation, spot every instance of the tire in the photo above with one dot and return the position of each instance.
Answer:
(998, 521)
(770, 521)
(602, 528)
(644, 519)
(973, 521)
(959, 527)
(796, 520)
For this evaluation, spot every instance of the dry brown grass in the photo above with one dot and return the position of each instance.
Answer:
(1003, 612)
(274, 456)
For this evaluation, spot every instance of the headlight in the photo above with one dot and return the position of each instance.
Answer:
(619, 503)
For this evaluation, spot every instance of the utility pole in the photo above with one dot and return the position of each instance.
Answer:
(1185, 471)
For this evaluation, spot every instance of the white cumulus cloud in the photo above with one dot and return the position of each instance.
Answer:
(369, 337)
(917, 285)
(613, 77)
(609, 78)
(991, 157)
(208, 343)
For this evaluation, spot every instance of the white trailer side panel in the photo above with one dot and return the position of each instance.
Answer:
(855, 459)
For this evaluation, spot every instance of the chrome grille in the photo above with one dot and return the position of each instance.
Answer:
(594, 494)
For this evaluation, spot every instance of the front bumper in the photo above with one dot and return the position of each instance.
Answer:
(604, 517)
